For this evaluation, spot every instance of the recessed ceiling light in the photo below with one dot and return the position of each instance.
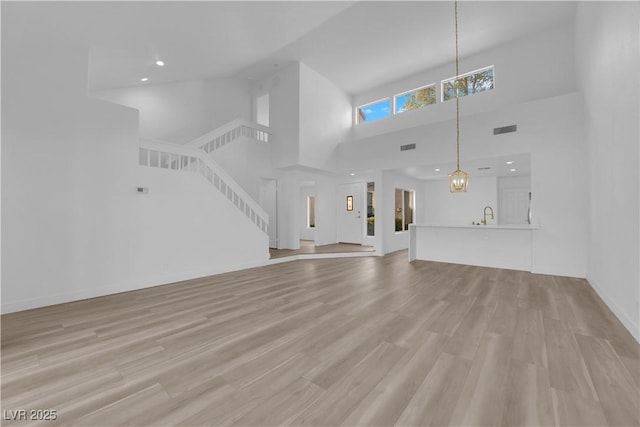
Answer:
(437, 170)
(144, 79)
(160, 63)
(512, 170)
(352, 174)
(510, 162)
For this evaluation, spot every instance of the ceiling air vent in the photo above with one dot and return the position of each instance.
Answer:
(504, 129)
(407, 147)
(484, 168)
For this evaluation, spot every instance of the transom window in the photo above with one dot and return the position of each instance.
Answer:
(468, 84)
(477, 81)
(415, 99)
(374, 111)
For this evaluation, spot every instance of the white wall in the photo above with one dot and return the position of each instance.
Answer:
(535, 67)
(309, 115)
(73, 226)
(325, 119)
(247, 161)
(284, 113)
(189, 228)
(608, 55)
(549, 129)
(444, 208)
(288, 210)
(180, 112)
(268, 200)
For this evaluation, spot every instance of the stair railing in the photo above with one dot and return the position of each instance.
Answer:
(229, 132)
(165, 155)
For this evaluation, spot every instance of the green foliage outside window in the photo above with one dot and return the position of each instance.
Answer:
(416, 99)
(469, 84)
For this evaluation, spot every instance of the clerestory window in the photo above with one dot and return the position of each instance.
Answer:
(373, 111)
(414, 99)
(468, 84)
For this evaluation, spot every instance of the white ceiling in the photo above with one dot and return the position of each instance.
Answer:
(357, 45)
(497, 166)
(375, 42)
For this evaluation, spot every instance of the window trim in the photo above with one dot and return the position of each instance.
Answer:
(435, 89)
(371, 103)
(442, 91)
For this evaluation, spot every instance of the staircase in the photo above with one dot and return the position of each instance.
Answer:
(229, 132)
(173, 157)
(242, 149)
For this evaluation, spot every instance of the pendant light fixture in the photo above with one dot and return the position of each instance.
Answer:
(458, 179)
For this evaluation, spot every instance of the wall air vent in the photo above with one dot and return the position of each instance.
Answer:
(504, 129)
(407, 147)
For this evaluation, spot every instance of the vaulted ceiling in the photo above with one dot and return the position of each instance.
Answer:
(357, 45)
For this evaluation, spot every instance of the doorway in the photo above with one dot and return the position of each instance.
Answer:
(350, 213)
(308, 201)
(262, 110)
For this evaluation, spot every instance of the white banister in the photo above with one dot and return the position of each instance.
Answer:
(228, 132)
(165, 155)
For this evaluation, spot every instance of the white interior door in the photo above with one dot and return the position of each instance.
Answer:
(350, 213)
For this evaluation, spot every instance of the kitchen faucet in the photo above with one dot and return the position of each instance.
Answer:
(484, 214)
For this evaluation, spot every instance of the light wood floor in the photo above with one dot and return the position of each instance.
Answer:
(357, 341)
(309, 247)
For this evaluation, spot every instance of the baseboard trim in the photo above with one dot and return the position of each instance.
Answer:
(624, 318)
(158, 280)
(322, 256)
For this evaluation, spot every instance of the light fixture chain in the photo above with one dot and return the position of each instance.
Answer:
(455, 87)
(458, 179)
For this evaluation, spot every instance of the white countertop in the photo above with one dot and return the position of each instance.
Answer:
(482, 227)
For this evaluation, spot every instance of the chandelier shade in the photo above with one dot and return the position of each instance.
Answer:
(458, 181)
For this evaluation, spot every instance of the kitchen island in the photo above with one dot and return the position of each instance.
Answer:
(499, 246)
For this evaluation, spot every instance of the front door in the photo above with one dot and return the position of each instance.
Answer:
(350, 213)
